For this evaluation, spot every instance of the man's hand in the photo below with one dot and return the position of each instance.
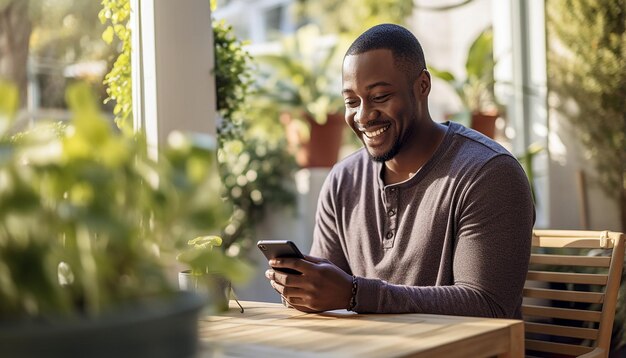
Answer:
(321, 287)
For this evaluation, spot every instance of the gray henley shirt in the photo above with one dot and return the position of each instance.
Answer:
(453, 239)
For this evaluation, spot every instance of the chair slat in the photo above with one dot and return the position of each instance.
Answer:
(570, 260)
(563, 313)
(570, 242)
(562, 331)
(576, 233)
(562, 295)
(534, 314)
(567, 277)
(551, 347)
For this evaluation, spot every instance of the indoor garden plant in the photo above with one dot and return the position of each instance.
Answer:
(205, 274)
(476, 91)
(254, 166)
(302, 80)
(88, 226)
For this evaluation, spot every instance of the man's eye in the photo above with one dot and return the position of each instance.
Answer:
(351, 103)
(381, 98)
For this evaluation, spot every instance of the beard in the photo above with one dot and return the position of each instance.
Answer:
(388, 155)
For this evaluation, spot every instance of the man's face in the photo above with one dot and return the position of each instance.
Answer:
(380, 102)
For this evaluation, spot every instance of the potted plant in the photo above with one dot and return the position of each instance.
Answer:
(205, 273)
(476, 91)
(253, 165)
(88, 225)
(300, 81)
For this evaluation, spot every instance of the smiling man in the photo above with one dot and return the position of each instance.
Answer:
(426, 217)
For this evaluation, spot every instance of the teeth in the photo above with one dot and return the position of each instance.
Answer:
(375, 133)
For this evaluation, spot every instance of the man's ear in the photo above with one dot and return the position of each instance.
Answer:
(421, 86)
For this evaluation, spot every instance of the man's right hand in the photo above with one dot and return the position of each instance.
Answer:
(322, 286)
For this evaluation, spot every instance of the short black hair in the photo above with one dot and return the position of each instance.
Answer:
(404, 46)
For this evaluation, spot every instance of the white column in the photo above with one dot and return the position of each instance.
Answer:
(172, 61)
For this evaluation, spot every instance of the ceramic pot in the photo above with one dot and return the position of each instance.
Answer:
(484, 123)
(214, 288)
(320, 148)
(156, 327)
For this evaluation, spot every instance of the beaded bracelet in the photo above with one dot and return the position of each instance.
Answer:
(353, 298)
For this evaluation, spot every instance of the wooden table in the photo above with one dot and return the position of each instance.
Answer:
(272, 330)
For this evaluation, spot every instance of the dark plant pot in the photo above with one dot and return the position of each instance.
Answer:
(163, 327)
(484, 123)
(321, 148)
(213, 288)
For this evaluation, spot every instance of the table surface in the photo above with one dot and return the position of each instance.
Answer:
(272, 330)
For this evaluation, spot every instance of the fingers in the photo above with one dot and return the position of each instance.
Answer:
(299, 265)
(316, 260)
(289, 293)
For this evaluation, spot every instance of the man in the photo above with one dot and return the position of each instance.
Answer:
(427, 217)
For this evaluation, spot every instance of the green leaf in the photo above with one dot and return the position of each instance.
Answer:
(480, 62)
(9, 103)
(444, 75)
(108, 34)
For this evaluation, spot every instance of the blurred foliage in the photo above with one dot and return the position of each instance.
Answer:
(298, 79)
(202, 259)
(257, 176)
(253, 167)
(253, 163)
(65, 30)
(232, 80)
(87, 220)
(116, 15)
(50, 35)
(362, 14)
(586, 65)
(476, 91)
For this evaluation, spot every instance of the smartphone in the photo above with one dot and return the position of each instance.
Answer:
(280, 248)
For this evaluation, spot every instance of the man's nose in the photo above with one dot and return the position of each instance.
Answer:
(364, 115)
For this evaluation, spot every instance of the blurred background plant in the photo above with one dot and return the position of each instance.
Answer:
(586, 68)
(254, 167)
(302, 79)
(45, 42)
(476, 90)
(331, 14)
(590, 70)
(88, 221)
(115, 14)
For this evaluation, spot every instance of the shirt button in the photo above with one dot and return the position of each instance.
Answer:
(391, 212)
(389, 235)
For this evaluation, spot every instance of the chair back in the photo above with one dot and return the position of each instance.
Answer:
(571, 292)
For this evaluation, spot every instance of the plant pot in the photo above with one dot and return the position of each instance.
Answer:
(319, 148)
(484, 123)
(159, 327)
(214, 288)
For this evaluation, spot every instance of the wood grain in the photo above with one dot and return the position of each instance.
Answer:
(267, 329)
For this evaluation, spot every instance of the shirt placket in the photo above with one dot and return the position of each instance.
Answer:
(391, 217)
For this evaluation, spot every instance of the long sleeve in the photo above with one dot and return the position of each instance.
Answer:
(490, 260)
(453, 239)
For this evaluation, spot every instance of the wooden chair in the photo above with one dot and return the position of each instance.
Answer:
(570, 295)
